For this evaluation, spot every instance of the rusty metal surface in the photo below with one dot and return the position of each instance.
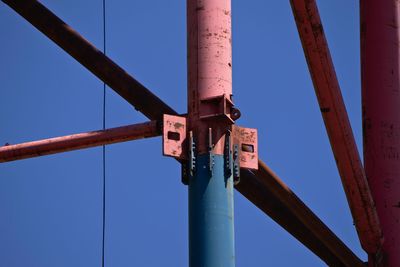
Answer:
(78, 141)
(247, 139)
(380, 75)
(174, 137)
(337, 124)
(93, 59)
(251, 186)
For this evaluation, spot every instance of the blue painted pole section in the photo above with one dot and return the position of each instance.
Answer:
(211, 230)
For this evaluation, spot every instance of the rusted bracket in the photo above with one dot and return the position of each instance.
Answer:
(174, 136)
(241, 149)
(246, 140)
(217, 107)
(175, 141)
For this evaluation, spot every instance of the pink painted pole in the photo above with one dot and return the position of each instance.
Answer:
(210, 117)
(381, 117)
(209, 71)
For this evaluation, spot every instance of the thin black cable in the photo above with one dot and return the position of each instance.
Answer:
(104, 147)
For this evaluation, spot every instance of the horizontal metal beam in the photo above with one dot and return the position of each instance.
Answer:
(78, 141)
(93, 59)
(253, 185)
(337, 124)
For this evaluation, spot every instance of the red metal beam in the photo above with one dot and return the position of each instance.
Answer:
(337, 124)
(78, 141)
(93, 59)
(251, 186)
(380, 74)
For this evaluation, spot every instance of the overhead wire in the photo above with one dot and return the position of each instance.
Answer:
(104, 147)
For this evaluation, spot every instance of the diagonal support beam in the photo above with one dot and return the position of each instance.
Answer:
(93, 59)
(277, 201)
(78, 141)
(337, 124)
(267, 191)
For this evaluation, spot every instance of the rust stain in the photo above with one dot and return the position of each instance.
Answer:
(178, 125)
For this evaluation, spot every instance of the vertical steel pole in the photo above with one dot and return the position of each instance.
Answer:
(381, 117)
(211, 232)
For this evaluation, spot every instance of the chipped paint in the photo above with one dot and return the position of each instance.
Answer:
(174, 127)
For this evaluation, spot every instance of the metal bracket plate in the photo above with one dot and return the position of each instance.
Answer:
(217, 107)
(247, 141)
(174, 136)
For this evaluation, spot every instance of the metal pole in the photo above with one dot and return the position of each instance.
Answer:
(211, 231)
(78, 141)
(337, 124)
(381, 117)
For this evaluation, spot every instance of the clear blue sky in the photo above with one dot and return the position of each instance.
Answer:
(50, 207)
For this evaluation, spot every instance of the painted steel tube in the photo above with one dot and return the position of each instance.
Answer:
(337, 124)
(93, 59)
(211, 227)
(211, 230)
(209, 34)
(78, 141)
(380, 75)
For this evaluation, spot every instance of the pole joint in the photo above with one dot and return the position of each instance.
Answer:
(236, 164)
(228, 155)
(210, 152)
